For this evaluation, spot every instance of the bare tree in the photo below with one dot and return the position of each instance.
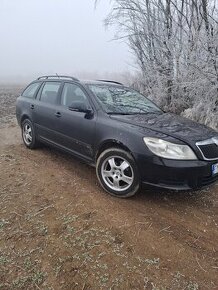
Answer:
(175, 43)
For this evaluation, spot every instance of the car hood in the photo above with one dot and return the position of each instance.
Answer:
(172, 125)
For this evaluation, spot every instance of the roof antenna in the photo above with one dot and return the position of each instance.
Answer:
(57, 75)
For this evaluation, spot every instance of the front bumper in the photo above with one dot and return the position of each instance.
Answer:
(175, 174)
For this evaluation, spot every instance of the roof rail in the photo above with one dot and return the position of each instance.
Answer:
(58, 77)
(108, 81)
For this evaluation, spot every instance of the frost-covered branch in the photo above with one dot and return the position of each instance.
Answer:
(175, 43)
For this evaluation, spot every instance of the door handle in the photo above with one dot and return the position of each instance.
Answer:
(58, 114)
(32, 107)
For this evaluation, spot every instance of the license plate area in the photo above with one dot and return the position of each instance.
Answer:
(215, 169)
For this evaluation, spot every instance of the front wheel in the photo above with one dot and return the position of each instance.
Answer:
(117, 173)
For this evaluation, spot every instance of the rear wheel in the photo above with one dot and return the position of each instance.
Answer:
(117, 173)
(28, 134)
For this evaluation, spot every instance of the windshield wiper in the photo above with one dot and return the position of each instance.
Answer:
(119, 113)
(149, 112)
(134, 113)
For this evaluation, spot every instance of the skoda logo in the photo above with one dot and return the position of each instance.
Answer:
(215, 140)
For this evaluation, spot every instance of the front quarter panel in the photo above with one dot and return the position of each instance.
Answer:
(109, 130)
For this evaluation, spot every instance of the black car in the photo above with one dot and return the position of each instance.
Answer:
(126, 136)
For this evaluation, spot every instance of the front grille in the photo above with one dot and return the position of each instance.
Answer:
(209, 148)
(209, 151)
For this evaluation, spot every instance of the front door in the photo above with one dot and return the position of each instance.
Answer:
(76, 129)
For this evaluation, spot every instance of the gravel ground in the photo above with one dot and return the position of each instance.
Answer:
(8, 95)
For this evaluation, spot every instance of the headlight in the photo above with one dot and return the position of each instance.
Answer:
(169, 150)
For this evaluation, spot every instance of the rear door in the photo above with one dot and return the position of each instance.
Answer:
(76, 129)
(45, 111)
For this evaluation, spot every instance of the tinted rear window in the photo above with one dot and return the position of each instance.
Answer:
(31, 90)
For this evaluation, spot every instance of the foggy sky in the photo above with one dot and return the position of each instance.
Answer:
(57, 36)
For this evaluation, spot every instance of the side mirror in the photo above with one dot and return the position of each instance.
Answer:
(81, 107)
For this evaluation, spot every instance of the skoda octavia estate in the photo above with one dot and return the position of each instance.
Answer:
(123, 134)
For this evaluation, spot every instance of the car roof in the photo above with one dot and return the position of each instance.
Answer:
(85, 82)
(101, 82)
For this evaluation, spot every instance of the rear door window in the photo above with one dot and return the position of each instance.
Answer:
(30, 91)
(50, 92)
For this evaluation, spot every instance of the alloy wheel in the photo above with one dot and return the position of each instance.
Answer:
(117, 173)
(27, 134)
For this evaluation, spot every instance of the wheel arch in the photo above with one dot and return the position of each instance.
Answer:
(24, 117)
(111, 143)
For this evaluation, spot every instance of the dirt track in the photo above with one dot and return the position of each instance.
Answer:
(59, 230)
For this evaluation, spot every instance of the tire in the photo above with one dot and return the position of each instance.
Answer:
(117, 173)
(28, 134)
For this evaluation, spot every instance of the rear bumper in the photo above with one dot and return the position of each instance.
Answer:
(175, 174)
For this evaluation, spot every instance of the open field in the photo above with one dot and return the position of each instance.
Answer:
(59, 230)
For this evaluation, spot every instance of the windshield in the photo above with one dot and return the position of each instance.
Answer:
(119, 100)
